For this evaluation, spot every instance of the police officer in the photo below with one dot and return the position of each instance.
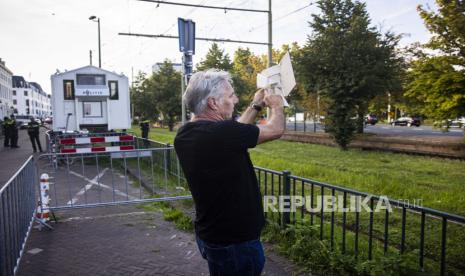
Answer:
(6, 131)
(145, 127)
(33, 132)
(13, 131)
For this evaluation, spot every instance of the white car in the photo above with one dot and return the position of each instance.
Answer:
(459, 122)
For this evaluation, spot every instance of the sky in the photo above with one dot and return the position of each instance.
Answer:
(39, 37)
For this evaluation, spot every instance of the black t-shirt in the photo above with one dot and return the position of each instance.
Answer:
(216, 163)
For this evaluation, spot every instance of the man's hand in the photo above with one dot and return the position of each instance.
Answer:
(273, 101)
(259, 96)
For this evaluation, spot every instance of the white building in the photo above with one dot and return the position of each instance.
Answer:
(6, 98)
(90, 98)
(30, 99)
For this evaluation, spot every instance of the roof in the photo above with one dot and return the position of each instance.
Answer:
(19, 82)
(86, 67)
(2, 65)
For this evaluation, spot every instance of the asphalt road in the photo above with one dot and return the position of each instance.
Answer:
(384, 129)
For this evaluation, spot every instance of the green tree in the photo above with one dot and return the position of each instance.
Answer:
(142, 98)
(436, 82)
(166, 86)
(447, 27)
(215, 58)
(436, 88)
(347, 62)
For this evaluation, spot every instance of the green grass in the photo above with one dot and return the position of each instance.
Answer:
(436, 182)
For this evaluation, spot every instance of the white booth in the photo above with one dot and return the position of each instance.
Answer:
(90, 98)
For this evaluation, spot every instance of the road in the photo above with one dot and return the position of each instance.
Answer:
(385, 129)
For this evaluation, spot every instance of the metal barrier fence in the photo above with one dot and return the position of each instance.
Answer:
(435, 237)
(112, 178)
(17, 211)
(173, 167)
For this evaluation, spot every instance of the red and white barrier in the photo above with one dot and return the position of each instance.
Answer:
(43, 211)
(97, 149)
(92, 140)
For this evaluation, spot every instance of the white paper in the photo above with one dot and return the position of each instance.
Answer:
(279, 78)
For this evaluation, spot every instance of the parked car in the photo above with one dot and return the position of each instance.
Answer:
(459, 122)
(406, 121)
(371, 119)
(22, 120)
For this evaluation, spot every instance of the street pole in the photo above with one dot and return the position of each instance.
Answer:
(97, 19)
(99, 45)
(270, 46)
(183, 104)
(270, 36)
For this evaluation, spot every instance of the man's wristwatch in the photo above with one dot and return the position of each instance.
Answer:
(256, 106)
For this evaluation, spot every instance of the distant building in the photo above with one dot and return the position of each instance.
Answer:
(6, 99)
(30, 99)
(156, 67)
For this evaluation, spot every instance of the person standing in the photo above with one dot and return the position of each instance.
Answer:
(145, 128)
(13, 132)
(6, 131)
(33, 132)
(213, 153)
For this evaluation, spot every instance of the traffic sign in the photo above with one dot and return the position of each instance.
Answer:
(186, 29)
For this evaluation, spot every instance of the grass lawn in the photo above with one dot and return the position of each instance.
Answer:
(436, 182)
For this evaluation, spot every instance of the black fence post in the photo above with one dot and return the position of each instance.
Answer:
(168, 157)
(286, 217)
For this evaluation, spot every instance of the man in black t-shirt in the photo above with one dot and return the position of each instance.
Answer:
(213, 152)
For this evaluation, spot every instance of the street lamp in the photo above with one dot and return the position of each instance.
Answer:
(97, 19)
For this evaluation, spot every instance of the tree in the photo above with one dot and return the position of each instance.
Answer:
(447, 27)
(166, 84)
(215, 58)
(142, 98)
(436, 81)
(347, 62)
(437, 88)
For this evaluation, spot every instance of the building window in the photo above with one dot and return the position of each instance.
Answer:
(27, 102)
(68, 89)
(92, 109)
(113, 86)
(25, 93)
(14, 92)
(90, 79)
(14, 102)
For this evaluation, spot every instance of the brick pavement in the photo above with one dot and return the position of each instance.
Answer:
(120, 241)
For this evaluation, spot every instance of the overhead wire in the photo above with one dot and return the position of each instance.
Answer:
(281, 17)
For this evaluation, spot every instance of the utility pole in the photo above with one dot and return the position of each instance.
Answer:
(90, 57)
(270, 36)
(97, 19)
(132, 91)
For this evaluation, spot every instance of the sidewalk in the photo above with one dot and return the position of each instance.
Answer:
(11, 159)
(120, 241)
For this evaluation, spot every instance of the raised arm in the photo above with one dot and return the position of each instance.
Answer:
(274, 128)
(250, 114)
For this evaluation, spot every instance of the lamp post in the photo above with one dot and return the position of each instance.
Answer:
(97, 19)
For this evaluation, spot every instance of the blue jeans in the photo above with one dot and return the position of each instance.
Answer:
(246, 258)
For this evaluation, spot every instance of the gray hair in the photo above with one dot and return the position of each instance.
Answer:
(205, 84)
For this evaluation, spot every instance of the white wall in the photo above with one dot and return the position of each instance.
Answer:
(5, 91)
